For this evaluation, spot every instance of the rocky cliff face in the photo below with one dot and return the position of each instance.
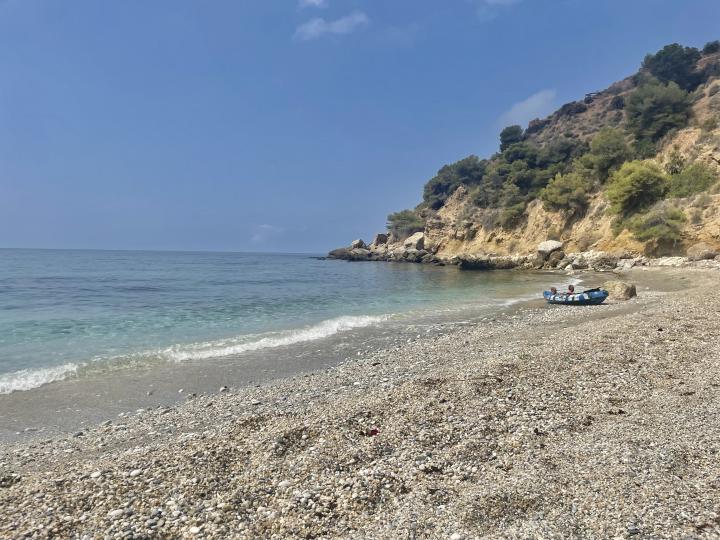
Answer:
(460, 230)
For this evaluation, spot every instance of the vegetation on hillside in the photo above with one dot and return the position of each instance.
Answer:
(404, 223)
(619, 128)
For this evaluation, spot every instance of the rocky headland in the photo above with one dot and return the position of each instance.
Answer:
(629, 175)
(548, 255)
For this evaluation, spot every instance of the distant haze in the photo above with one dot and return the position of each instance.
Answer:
(284, 125)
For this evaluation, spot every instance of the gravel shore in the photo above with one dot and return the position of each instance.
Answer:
(544, 422)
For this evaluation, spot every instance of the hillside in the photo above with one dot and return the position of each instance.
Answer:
(633, 168)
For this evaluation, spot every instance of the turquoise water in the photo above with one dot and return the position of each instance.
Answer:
(63, 313)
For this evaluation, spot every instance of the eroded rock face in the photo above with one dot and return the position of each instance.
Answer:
(416, 241)
(380, 239)
(358, 244)
(555, 258)
(620, 290)
(548, 246)
(701, 252)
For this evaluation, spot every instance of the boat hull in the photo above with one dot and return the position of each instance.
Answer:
(586, 298)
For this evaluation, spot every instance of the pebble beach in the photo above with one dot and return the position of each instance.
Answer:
(543, 422)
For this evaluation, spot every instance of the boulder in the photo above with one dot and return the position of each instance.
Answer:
(620, 290)
(555, 258)
(359, 254)
(701, 252)
(380, 239)
(340, 253)
(416, 241)
(626, 264)
(358, 244)
(600, 260)
(548, 246)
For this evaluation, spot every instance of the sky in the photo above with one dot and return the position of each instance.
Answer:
(282, 125)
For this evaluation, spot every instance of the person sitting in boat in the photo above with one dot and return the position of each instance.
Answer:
(571, 289)
(553, 290)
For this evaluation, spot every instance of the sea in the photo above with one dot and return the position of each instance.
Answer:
(120, 323)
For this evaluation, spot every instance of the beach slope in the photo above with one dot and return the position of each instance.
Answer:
(544, 422)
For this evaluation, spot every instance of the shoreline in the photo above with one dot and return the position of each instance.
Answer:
(481, 430)
(105, 392)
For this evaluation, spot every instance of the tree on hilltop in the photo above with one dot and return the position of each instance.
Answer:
(675, 63)
(509, 136)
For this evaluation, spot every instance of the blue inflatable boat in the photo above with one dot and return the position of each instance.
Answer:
(591, 297)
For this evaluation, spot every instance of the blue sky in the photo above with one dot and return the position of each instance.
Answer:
(281, 125)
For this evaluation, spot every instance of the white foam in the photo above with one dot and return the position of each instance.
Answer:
(26, 379)
(216, 349)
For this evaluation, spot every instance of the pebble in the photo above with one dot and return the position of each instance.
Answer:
(115, 514)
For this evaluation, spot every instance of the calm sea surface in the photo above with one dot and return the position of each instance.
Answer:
(64, 314)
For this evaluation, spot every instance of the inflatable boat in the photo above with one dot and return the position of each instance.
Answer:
(591, 297)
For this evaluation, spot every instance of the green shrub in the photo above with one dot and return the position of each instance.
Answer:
(561, 150)
(655, 109)
(636, 186)
(509, 136)
(675, 63)
(710, 124)
(695, 215)
(644, 148)
(608, 151)
(662, 224)
(711, 47)
(571, 109)
(696, 178)
(566, 192)
(468, 172)
(617, 103)
(512, 215)
(404, 223)
(675, 163)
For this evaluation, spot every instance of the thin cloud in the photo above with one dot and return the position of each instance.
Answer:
(313, 3)
(538, 105)
(319, 27)
(265, 232)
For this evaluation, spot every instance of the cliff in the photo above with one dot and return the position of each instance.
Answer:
(495, 211)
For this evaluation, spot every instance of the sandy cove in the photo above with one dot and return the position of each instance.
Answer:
(544, 422)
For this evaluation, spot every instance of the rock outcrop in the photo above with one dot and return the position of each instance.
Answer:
(548, 246)
(416, 241)
(380, 240)
(700, 252)
(620, 290)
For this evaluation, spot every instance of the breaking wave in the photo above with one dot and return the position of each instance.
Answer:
(27, 379)
(215, 349)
